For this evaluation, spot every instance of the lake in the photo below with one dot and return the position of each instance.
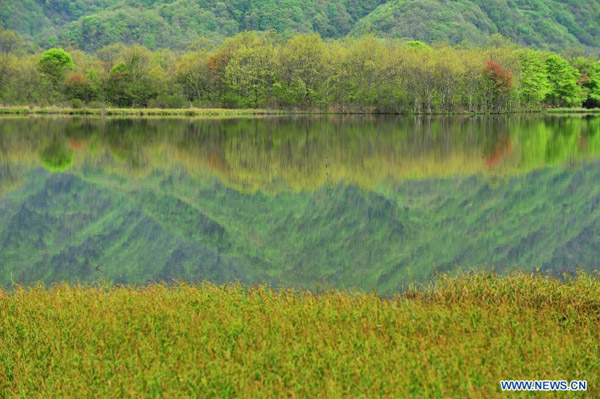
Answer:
(346, 202)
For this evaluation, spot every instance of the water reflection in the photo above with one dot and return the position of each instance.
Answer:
(362, 202)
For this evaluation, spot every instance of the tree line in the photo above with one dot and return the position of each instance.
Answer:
(264, 70)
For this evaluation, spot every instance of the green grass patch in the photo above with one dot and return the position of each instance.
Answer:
(577, 110)
(455, 339)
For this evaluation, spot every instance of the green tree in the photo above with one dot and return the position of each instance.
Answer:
(117, 86)
(249, 75)
(417, 45)
(136, 80)
(303, 69)
(447, 72)
(473, 79)
(593, 85)
(418, 63)
(563, 78)
(55, 63)
(534, 84)
(194, 76)
(357, 72)
(589, 81)
(10, 43)
(81, 87)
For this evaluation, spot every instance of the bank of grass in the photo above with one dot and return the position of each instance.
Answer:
(182, 112)
(457, 339)
(225, 113)
(572, 110)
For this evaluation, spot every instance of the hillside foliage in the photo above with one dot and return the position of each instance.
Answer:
(544, 24)
(90, 25)
(93, 24)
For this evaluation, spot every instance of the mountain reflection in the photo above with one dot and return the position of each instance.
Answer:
(348, 201)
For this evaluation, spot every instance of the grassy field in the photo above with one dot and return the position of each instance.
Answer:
(456, 339)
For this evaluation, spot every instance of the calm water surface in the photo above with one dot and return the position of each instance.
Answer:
(344, 202)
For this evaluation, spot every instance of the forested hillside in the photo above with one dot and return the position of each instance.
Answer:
(90, 25)
(93, 24)
(547, 24)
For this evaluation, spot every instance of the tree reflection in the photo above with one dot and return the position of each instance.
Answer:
(57, 157)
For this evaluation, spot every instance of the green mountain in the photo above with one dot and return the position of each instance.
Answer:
(92, 24)
(547, 24)
(166, 23)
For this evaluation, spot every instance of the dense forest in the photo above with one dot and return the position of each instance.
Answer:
(544, 24)
(265, 69)
(92, 24)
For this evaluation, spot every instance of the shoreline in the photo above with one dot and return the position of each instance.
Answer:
(250, 112)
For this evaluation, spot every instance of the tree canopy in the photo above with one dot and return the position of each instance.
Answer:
(55, 63)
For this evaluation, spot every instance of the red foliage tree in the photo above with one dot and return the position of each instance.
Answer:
(501, 78)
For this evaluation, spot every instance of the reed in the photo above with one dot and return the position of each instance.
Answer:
(454, 339)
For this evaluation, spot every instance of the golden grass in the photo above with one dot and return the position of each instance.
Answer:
(455, 340)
